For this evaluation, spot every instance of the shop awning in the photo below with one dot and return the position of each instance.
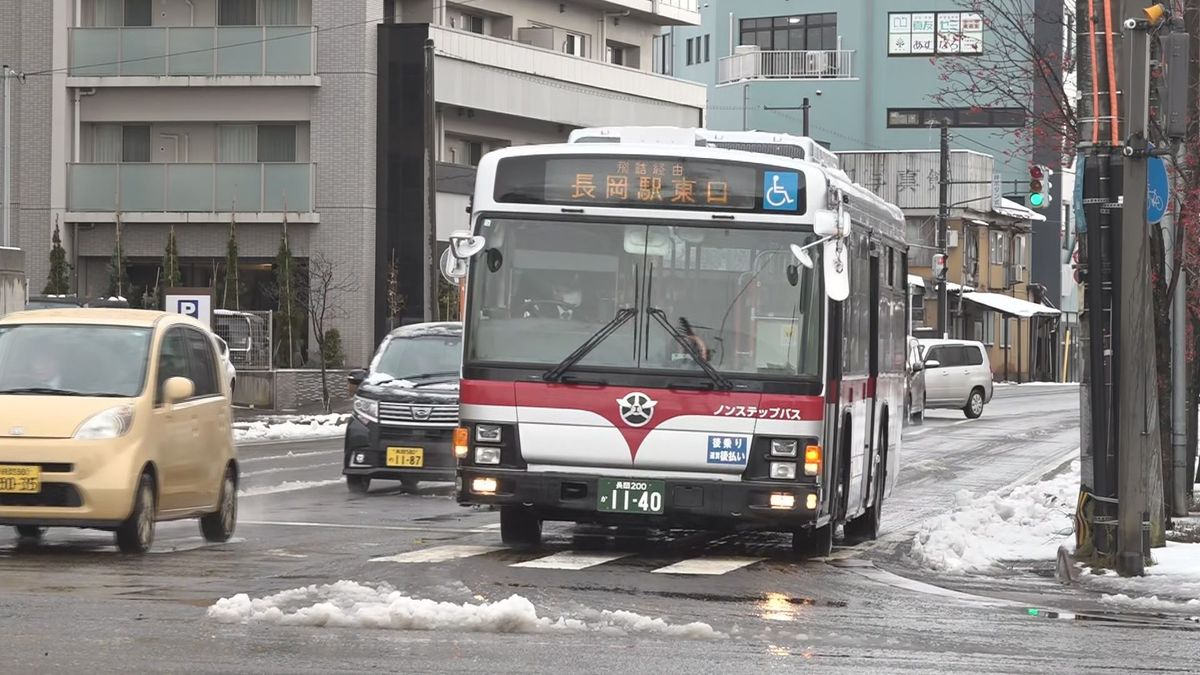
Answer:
(914, 280)
(1008, 207)
(1006, 304)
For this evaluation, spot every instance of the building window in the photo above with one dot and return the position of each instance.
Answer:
(249, 143)
(805, 32)
(237, 12)
(706, 50)
(135, 143)
(662, 53)
(473, 24)
(616, 55)
(923, 33)
(574, 44)
(137, 13)
(989, 329)
(277, 143)
(918, 306)
(901, 118)
(280, 12)
(996, 249)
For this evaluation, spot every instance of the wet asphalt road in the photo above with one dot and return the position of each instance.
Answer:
(72, 604)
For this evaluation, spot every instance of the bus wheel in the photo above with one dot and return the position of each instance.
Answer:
(520, 527)
(866, 526)
(815, 543)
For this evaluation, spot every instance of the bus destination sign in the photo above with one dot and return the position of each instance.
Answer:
(648, 182)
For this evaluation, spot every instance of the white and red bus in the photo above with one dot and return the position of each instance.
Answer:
(672, 335)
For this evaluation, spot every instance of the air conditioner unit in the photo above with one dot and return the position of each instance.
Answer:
(537, 36)
(816, 63)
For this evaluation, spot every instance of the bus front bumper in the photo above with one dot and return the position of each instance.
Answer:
(698, 504)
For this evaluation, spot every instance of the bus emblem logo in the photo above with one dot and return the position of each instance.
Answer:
(636, 408)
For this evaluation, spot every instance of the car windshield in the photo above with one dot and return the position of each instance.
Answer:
(70, 359)
(414, 358)
(542, 288)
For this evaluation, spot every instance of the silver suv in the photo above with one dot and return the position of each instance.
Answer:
(957, 375)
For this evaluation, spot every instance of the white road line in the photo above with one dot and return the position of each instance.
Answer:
(708, 565)
(290, 455)
(571, 560)
(283, 469)
(345, 526)
(289, 486)
(439, 554)
(493, 526)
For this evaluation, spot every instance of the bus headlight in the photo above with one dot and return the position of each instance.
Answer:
(784, 447)
(487, 433)
(484, 455)
(783, 470)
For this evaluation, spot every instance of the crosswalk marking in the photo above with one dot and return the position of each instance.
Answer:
(439, 554)
(708, 565)
(571, 560)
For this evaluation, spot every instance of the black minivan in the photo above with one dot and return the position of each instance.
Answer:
(406, 409)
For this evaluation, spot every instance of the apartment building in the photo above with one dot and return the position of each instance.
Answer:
(192, 114)
(871, 73)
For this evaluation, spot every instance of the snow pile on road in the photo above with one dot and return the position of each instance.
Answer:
(1028, 522)
(287, 486)
(1173, 581)
(290, 428)
(347, 604)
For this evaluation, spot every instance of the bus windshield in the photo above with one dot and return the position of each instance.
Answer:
(734, 297)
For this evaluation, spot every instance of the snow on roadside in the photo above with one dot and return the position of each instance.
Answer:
(347, 604)
(1027, 522)
(287, 486)
(1172, 582)
(290, 428)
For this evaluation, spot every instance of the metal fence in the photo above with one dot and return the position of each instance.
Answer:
(249, 336)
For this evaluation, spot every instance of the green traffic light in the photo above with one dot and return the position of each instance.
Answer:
(1036, 199)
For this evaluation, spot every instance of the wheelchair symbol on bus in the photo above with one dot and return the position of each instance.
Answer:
(781, 191)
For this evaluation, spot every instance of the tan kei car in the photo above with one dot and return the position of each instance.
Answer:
(114, 419)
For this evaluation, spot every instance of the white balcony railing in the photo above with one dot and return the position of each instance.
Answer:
(522, 58)
(829, 64)
(187, 51)
(190, 188)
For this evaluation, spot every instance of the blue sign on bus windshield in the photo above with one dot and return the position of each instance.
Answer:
(781, 191)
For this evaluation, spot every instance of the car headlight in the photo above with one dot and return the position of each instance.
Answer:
(784, 447)
(366, 409)
(111, 423)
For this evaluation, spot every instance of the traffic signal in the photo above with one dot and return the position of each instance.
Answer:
(1039, 187)
(939, 266)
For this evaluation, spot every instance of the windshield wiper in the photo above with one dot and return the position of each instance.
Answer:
(718, 379)
(426, 376)
(622, 317)
(46, 391)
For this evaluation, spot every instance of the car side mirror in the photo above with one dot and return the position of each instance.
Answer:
(917, 366)
(933, 364)
(178, 389)
(355, 379)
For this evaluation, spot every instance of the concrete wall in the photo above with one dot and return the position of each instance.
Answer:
(12, 280)
(297, 388)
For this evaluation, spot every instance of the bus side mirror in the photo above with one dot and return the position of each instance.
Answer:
(465, 245)
(454, 269)
(837, 270)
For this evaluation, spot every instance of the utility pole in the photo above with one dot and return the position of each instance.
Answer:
(7, 74)
(943, 225)
(432, 273)
(1136, 391)
(804, 107)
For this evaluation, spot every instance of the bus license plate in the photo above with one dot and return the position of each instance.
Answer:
(408, 458)
(21, 479)
(631, 496)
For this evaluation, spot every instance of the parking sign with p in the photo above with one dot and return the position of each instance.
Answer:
(194, 302)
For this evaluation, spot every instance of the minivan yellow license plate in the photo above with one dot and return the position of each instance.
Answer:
(409, 458)
(20, 479)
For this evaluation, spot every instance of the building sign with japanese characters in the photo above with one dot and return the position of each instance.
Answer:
(649, 182)
(934, 33)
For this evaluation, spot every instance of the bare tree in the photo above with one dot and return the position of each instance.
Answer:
(323, 299)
